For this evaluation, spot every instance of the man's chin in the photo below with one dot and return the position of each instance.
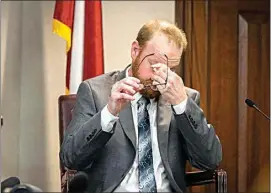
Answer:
(149, 93)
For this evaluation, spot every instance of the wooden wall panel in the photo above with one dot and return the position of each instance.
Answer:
(197, 60)
(227, 60)
(257, 78)
(242, 110)
(223, 84)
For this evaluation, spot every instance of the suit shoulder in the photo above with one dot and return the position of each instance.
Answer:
(104, 79)
(99, 87)
(191, 91)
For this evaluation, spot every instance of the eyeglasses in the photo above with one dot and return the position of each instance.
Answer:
(158, 58)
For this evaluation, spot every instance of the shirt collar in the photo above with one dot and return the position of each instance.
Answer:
(137, 95)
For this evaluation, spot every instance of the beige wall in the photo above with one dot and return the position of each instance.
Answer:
(33, 65)
(121, 22)
(33, 76)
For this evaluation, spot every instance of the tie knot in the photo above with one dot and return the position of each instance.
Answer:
(143, 101)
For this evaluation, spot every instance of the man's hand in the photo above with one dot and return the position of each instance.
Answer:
(174, 91)
(122, 92)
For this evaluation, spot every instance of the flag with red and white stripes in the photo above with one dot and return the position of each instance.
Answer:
(79, 23)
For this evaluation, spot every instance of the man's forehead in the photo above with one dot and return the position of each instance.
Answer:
(158, 57)
(164, 48)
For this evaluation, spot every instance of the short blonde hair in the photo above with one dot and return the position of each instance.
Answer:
(172, 32)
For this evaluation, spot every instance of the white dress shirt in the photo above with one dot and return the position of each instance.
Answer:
(130, 182)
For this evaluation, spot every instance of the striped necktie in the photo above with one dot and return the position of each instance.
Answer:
(145, 167)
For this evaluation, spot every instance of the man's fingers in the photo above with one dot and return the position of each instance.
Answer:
(158, 79)
(132, 82)
(133, 79)
(141, 86)
(159, 66)
(161, 88)
(127, 89)
(126, 96)
(161, 73)
(128, 85)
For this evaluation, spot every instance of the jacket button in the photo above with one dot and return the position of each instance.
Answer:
(94, 131)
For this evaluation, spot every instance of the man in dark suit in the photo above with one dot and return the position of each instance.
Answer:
(134, 130)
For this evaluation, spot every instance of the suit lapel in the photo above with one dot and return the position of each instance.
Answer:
(127, 123)
(126, 116)
(164, 114)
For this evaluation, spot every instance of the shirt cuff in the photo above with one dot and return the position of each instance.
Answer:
(180, 108)
(107, 120)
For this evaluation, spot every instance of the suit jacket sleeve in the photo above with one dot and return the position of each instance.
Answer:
(84, 136)
(200, 140)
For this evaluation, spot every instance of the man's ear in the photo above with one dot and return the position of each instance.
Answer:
(135, 50)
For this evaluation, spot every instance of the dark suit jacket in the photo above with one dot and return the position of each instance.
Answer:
(107, 157)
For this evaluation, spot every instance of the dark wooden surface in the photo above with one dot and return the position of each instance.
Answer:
(227, 60)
